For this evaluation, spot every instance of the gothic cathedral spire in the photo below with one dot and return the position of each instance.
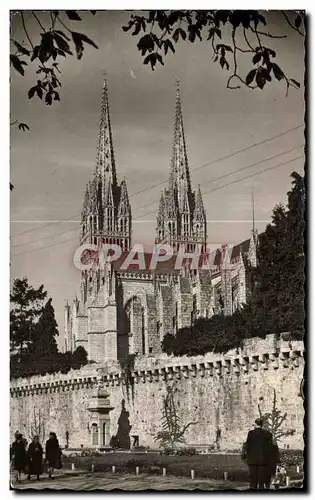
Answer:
(185, 220)
(106, 214)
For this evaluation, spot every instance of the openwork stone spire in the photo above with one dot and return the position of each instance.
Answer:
(106, 214)
(179, 176)
(105, 160)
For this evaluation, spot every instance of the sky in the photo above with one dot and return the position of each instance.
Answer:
(51, 163)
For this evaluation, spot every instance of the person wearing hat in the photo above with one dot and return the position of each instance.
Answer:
(258, 450)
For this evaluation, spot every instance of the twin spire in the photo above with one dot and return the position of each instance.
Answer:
(106, 209)
(105, 160)
(179, 176)
(181, 217)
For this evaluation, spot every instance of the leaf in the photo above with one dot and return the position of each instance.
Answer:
(151, 58)
(250, 77)
(73, 15)
(256, 58)
(17, 63)
(168, 45)
(62, 44)
(176, 35)
(295, 82)
(298, 21)
(23, 126)
(211, 34)
(48, 99)
(93, 12)
(31, 92)
(61, 33)
(159, 58)
(39, 92)
(145, 44)
(46, 47)
(277, 72)
(21, 49)
(11, 187)
(78, 39)
(182, 33)
(35, 52)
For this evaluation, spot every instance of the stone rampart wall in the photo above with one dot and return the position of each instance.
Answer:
(217, 391)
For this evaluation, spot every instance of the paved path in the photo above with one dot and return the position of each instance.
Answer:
(83, 481)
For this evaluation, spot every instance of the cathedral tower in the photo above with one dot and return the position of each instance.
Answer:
(106, 213)
(181, 217)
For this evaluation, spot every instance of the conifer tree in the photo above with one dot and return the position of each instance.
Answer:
(26, 307)
(44, 342)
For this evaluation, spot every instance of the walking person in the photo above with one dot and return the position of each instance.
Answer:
(35, 458)
(257, 450)
(18, 456)
(274, 460)
(53, 454)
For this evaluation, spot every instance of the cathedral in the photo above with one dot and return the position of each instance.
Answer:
(122, 312)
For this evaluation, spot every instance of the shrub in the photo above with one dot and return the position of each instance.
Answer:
(187, 452)
(291, 458)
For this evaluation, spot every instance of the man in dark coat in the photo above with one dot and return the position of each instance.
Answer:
(35, 458)
(258, 450)
(274, 460)
(53, 454)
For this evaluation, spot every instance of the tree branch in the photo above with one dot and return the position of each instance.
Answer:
(25, 30)
(37, 19)
(290, 24)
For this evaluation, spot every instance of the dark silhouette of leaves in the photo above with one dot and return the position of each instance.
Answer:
(62, 43)
(256, 58)
(277, 71)
(23, 126)
(11, 187)
(190, 25)
(78, 39)
(295, 82)
(145, 44)
(73, 15)
(21, 49)
(17, 63)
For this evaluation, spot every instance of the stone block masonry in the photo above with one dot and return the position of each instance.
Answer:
(219, 391)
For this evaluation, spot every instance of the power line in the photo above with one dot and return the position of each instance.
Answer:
(230, 155)
(253, 175)
(43, 248)
(148, 213)
(238, 180)
(164, 182)
(236, 171)
(152, 203)
(44, 238)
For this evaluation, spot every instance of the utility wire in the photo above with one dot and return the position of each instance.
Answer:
(235, 171)
(153, 202)
(164, 182)
(234, 182)
(148, 213)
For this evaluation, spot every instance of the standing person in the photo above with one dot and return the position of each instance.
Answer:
(53, 454)
(18, 456)
(258, 448)
(35, 458)
(274, 460)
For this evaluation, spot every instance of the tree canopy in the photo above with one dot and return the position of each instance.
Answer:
(230, 34)
(276, 302)
(33, 332)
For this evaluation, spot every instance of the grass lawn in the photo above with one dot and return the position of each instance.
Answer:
(205, 466)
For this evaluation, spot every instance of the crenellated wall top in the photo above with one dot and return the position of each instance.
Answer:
(256, 354)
